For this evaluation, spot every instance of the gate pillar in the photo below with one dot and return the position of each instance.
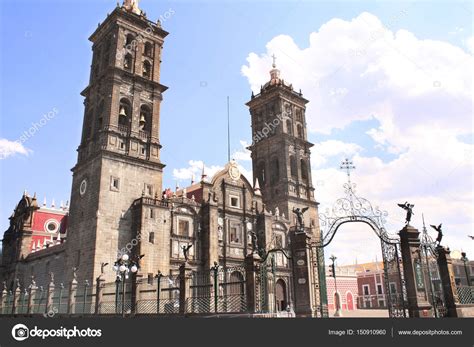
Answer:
(417, 295)
(446, 275)
(251, 286)
(303, 288)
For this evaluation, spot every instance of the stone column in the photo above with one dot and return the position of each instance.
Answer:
(446, 275)
(99, 291)
(135, 295)
(417, 293)
(252, 267)
(71, 302)
(303, 291)
(184, 284)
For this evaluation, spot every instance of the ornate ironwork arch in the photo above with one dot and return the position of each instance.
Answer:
(355, 209)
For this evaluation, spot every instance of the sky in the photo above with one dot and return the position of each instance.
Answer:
(389, 84)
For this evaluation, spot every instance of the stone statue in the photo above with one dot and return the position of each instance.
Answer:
(440, 232)
(299, 216)
(74, 273)
(51, 277)
(102, 267)
(409, 208)
(277, 211)
(253, 234)
(186, 251)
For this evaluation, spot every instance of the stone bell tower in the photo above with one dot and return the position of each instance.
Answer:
(280, 149)
(119, 153)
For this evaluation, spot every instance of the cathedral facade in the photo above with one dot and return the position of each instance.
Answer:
(118, 204)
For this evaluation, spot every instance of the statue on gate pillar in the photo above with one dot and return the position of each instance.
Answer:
(409, 208)
(299, 217)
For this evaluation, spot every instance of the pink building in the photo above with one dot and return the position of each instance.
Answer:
(346, 282)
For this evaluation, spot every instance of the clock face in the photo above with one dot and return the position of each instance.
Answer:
(83, 187)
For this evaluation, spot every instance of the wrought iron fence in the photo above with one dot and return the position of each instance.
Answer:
(466, 294)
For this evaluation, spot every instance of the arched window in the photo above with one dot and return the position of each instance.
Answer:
(299, 131)
(100, 116)
(125, 113)
(289, 127)
(88, 121)
(304, 170)
(147, 69)
(129, 40)
(148, 50)
(293, 167)
(145, 118)
(275, 171)
(261, 174)
(128, 62)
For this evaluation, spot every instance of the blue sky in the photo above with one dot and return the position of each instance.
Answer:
(45, 60)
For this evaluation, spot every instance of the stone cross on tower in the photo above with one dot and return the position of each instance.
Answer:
(274, 60)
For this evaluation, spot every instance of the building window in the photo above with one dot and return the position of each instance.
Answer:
(148, 189)
(151, 237)
(234, 201)
(114, 183)
(293, 166)
(299, 131)
(148, 50)
(275, 171)
(100, 116)
(147, 69)
(51, 226)
(124, 112)
(304, 170)
(366, 289)
(145, 118)
(235, 232)
(129, 39)
(128, 62)
(379, 289)
(289, 127)
(183, 227)
(152, 213)
(150, 279)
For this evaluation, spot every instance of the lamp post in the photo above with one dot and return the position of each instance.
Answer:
(466, 261)
(337, 298)
(122, 267)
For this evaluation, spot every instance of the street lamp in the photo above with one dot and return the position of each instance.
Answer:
(466, 262)
(122, 267)
(337, 298)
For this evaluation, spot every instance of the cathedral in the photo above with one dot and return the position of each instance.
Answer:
(118, 205)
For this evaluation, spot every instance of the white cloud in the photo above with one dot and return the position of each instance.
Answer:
(469, 42)
(242, 154)
(10, 148)
(332, 148)
(195, 168)
(420, 93)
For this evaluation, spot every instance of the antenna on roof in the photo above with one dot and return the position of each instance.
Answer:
(228, 131)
